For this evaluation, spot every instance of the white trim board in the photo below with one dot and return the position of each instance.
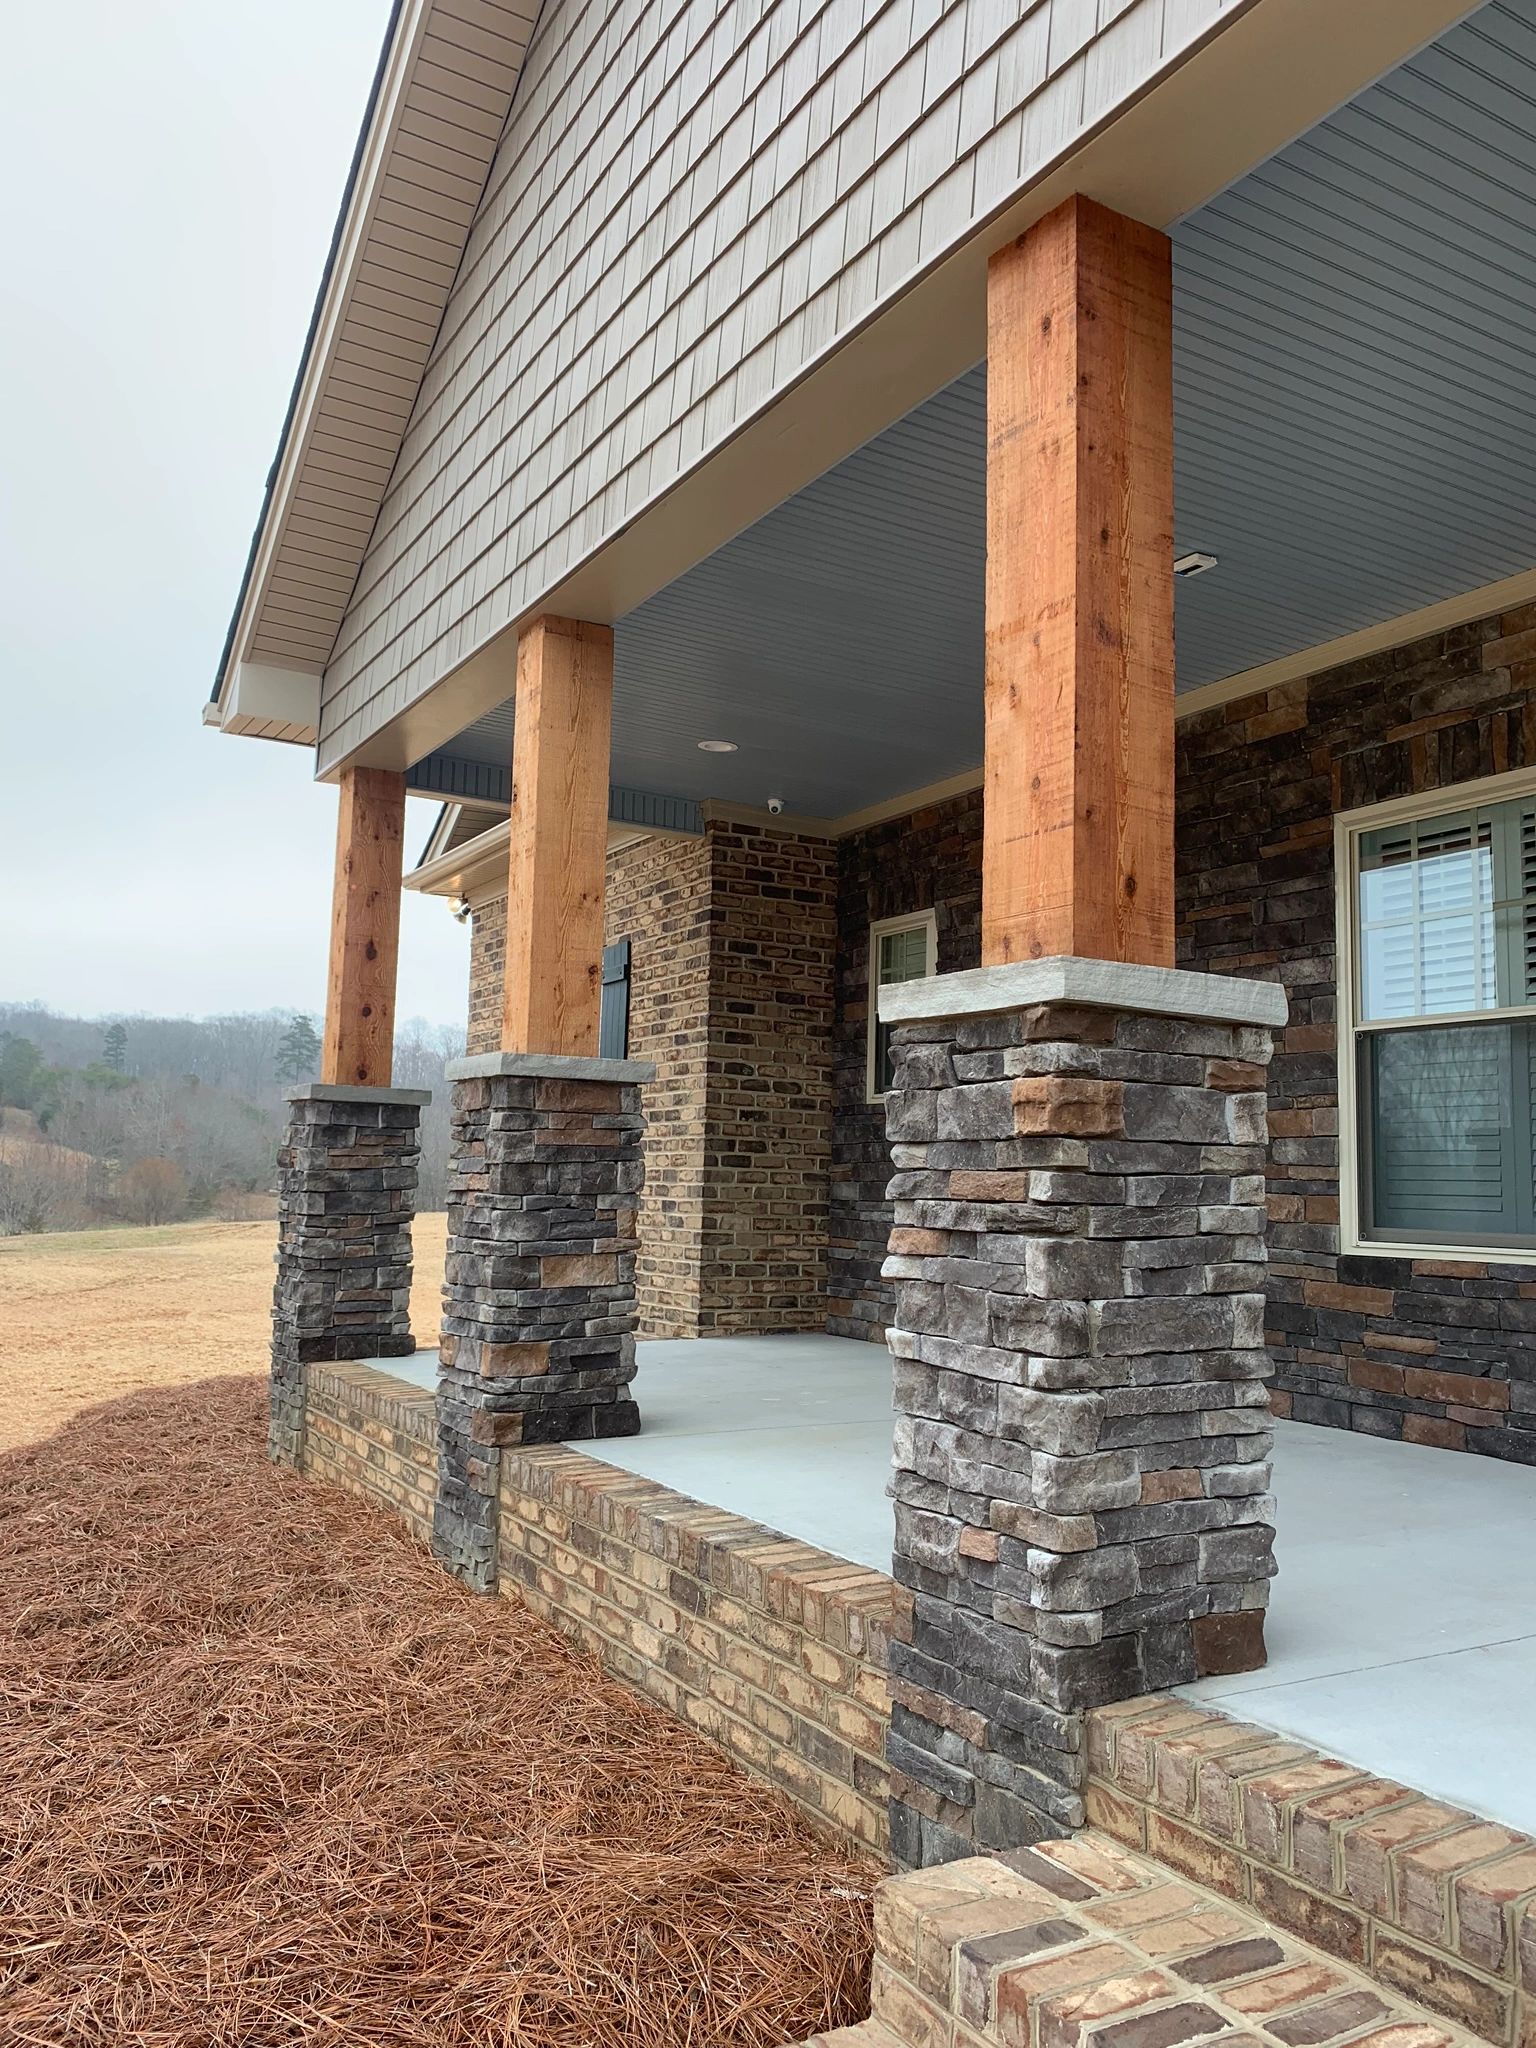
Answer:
(1347, 827)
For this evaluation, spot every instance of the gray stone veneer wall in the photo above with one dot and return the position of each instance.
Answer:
(1082, 1426)
(538, 1342)
(346, 1197)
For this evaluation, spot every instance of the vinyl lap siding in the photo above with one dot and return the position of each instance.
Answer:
(690, 203)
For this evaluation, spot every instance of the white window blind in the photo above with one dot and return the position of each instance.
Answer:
(1446, 928)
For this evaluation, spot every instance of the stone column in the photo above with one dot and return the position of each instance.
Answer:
(346, 1198)
(538, 1342)
(1082, 1426)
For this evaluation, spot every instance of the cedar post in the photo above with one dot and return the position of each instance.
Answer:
(560, 753)
(1078, 847)
(538, 1327)
(1081, 1469)
(357, 1049)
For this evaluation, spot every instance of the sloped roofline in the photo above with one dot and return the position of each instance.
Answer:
(322, 297)
(436, 110)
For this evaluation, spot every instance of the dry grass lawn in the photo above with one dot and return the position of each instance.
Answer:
(88, 1315)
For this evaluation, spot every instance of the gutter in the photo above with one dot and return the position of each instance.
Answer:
(396, 7)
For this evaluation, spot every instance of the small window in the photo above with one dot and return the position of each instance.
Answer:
(613, 1018)
(900, 949)
(1439, 1060)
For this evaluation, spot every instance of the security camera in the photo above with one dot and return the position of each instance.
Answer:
(775, 805)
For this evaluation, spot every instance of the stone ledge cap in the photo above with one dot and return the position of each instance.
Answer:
(1100, 984)
(549, 1066)
(338, 1091)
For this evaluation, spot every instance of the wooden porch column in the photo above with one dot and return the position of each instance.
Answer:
(1078, 834)
(358, 1045)
(560, 752)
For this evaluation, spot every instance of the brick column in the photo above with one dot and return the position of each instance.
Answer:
(538, 1341)
(346, 1197)
(1082, 1429)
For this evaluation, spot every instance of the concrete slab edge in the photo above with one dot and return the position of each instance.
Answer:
(329, 1091)
(1100, 984)
(549, 1066)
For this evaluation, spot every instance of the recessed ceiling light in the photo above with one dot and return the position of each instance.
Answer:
(1193, 564)
(717, 746)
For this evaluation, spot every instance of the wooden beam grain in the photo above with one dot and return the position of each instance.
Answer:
(1078, 832)
(358, 1045)
(560, 752)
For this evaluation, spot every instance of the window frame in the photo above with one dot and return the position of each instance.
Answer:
(1349, 829)
(926, 921)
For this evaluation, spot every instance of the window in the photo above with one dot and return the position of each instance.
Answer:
(900, 949)
(1438, 1065)
(613, 1017)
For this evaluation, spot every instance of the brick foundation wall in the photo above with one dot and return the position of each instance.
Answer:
(732, 937)
(775, 1651)
(928, 861)
(1438, 1352)
(376, 1438)
(1430, 1901)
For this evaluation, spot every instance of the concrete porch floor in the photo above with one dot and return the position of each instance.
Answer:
(1402, 1630)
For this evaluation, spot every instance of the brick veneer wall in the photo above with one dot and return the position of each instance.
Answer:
(928, 861)
(775, 1651)
(658, 899)
(768, 1098)
(732, 937)
(1428, 1900)
(1438, 1352)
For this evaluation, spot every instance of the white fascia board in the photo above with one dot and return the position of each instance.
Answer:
(409, 32)
(263, 702)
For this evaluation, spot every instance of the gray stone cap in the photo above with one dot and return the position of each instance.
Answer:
(338, 1091)
(1101, 984)
(549, 1066)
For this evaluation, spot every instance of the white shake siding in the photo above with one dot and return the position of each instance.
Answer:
(692, 202)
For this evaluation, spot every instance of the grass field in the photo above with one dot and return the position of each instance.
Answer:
(88, 1315)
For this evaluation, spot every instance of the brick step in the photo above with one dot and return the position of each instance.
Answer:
(869, 2033)
(1087, 1944)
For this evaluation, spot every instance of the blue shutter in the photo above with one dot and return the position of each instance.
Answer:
(613, 1024)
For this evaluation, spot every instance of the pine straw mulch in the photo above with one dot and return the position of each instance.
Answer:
(268, 1777)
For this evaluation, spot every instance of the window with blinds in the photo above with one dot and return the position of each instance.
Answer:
(901, 949)
(1445, 942)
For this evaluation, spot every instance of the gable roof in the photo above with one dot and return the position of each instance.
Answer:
(440, 98)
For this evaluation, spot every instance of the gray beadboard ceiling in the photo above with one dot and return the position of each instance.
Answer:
(1356, 437)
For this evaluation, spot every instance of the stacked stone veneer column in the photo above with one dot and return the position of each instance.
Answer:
(538, 1331)
(346, 1199)
(1082, 1435)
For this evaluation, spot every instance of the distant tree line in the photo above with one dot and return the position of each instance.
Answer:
(149, 1119)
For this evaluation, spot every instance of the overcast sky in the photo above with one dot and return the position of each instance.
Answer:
(171, 171)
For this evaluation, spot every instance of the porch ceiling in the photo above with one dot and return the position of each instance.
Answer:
(1356, 438)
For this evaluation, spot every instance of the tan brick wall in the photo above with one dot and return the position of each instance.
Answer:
(1428, 1900)
(732, 938)
(768, 1136)
(375, 1437)
(658, 899)
(774, 1650)
(487, 975)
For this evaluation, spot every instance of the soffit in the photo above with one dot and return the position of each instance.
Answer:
(445, 85)
(1356, 438)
